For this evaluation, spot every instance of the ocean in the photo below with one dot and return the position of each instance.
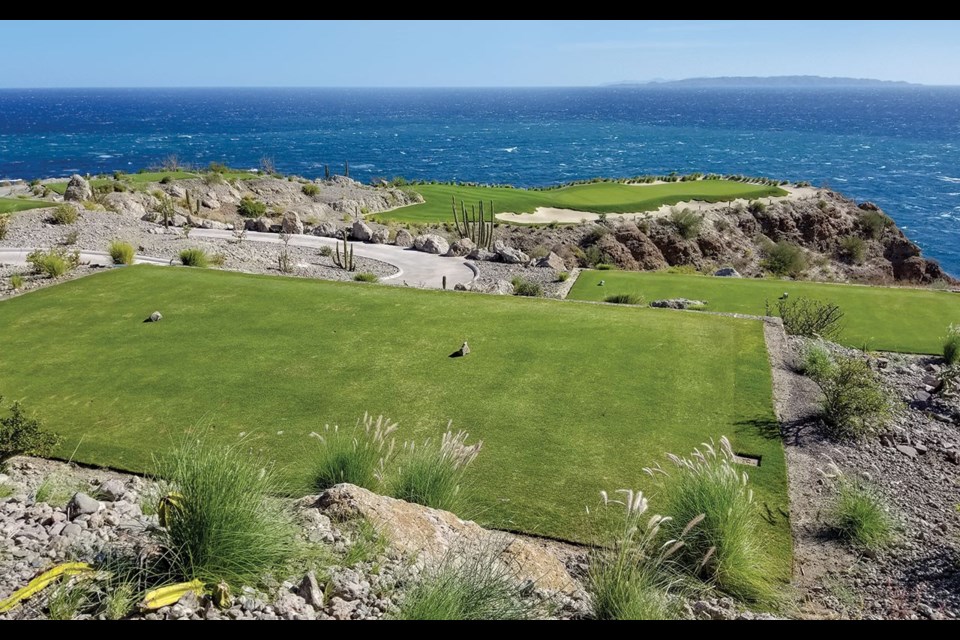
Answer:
(898, 147)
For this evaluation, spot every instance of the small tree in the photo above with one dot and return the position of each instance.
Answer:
(20, 434)
(809, 318)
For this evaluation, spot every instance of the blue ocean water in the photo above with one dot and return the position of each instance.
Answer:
(899, 147)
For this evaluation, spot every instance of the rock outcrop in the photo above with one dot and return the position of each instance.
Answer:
(78, 189)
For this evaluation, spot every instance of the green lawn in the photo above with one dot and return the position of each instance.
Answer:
(12, 205)
(568, 398)
(882, 318)
(153, 176)
(601, 197)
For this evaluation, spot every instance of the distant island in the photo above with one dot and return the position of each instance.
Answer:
(767, 81)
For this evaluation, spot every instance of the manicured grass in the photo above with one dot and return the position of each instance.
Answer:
(12, 205)
(882, 318)
(568, 398)
(153, 176)
(601, 197)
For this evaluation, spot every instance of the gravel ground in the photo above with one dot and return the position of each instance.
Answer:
(545, 276)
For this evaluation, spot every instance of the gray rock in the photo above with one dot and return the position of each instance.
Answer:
(150, 216)
(156, 316)
(509, 254)
(380, 236)
(341, 609)
(727, 272)
(922, 397)
(403, 239)
(178, 220)
(78, 190)
(361, 231)
(551, 261)
(487, 285)
(431, 243)
(81, 504)
(310, 591)
(481, 254)
(908, 451)
(212, 224)
(678, 303)
(326, 230)
(113, 490)
(71, 530)
(291, 224)
(461, 247)
(464, 349)
(57, 529)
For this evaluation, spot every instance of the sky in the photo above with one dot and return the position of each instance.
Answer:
(103, 53)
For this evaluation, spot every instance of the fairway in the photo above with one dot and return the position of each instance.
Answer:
(601, 197)
(12, 205)
(568, 398)
(882, 318)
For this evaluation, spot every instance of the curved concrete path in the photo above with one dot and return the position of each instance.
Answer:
(19, 256)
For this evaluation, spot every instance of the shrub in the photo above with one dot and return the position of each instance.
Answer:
(21, 434)
(121, 252)
(756, 207)
(817, 362)
(874, 223)
(433, 475)
(686, 222)
(225, 524)
(194, 258)
(785, 259)
(366, 277)
(64, 214)
(358, 456)
(212, 178)
(726, 546)
(852, 249)
(53, 263)
(251, 208)
(4, 225)
(310, 190)
(854, 402)
(628, 578)
(594, 235)
(860, 516)
(218, 260)
(603, 266)
(810, 318)
(522, 287)
(166, 180)
(563, 276)
(16, 281)
(468, 584)
(70, 239)
(326, 251)
(951, 345)
(624, 298)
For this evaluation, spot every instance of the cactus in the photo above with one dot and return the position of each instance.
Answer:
(346, 168)
(191, 209)
(345, 262)
(477, 228)
(326, 172)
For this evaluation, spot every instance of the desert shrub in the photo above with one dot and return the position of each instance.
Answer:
(194, 258)
(854, 400)
(810, 318)
(356, 456)
(326, 251)
(860, 516)
(310, 190)
(166, 180)
(366, 277)
(527, 288)
(21, 434)
(67, 599)
(628, 577)
(64, 214)
(785, 259)
(468, 584)
(874, 223)
(756, 206)
(16, 281)
(70, 239)
(53, 263)
(686, 222)
(433, 474)
(4, 225)
(595, 233)
(218, 260)
(121, 252)
(951, 345)
(726, 547)
(816, 361)
(624, 298)
(251, 208)
(225, 523)
(563, 276)
(604, 266)
(852, 249)
(213, 178)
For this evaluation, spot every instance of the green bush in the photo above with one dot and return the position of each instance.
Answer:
(326, 251)
(366, 277)
(194, 258)
(225, 523)
(874, 223)
(218, 260)
(22, 435)
(624, 298)
(817, 362)
(810, 318)
(951, 345)
(64, 214)
(563, 276)
(686, 222)
(310, 190)
(16, 281)
(604, 266)
(756, 207)
(53, 263)
(854, 402)
(356, 456)
(852, 249)
(251, 208)
(785, 259)
(4, 225)
(860, 516)
(213, 178)
(522, 287)
(121, 252)
(433, 475)
(726, 547)
(468, 584)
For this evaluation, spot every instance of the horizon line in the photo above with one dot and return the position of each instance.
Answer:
(617, 85)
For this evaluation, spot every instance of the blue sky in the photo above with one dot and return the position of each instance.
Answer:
(465, 53)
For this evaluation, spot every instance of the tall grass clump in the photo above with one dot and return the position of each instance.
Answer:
(4, 225)
(858, 514)
(16, 281)
(624, 298)
(628, 577)
(686, 222)
(224, 523)
(64, 214)
(356, 456)
(121, 252)
(816, 361)
(53, 263)
(727, 546)
(194, 258)
(951, 345)
(434, 474)
(469, 584)
(526, 288)
(366, 277)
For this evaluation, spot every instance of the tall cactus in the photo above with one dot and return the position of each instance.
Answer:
(476, 227)
(346, 261)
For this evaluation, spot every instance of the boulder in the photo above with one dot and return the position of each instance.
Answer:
(461, 247)
(310, 590)
(727, 272)
(487, 285)
(210, 202)
(81, 504)
(481, 254)
(130, 204)
(326, 230)
(78, 189)
(430, 534)
(403, 239)
(431, 243)
(178, 220)
(509, 254)
(212, 224)
(678, 303)
(361, 231)
(113, 490)
(262, 224)
(380, 236)
(291, 224)
(551, 261)
(908, 451)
